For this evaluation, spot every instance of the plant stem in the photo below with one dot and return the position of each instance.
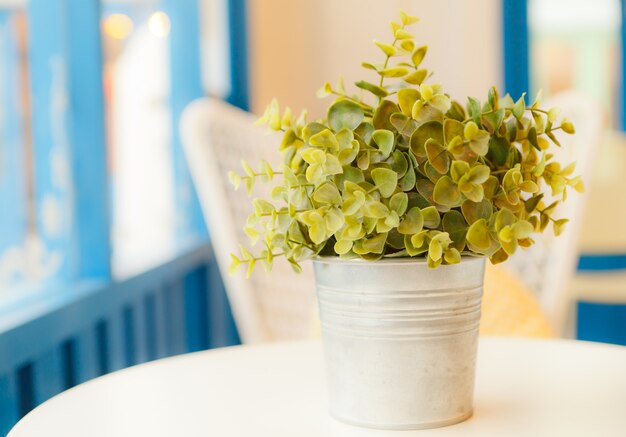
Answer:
(382, 78)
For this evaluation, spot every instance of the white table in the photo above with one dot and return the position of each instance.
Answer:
(524, 388)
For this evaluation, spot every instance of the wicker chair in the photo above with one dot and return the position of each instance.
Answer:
(216, 136)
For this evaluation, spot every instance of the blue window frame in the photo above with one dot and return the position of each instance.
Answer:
(92, 324)
(515, 47)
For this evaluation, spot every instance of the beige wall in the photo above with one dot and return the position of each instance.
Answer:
(296, 45)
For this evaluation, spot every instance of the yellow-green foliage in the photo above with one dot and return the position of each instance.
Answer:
(400, 170)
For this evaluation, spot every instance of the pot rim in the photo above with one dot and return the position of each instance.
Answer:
(391, 261)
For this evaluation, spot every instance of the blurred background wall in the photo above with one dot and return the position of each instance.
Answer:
(296, 46)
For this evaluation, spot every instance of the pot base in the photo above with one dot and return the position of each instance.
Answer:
(405, 427)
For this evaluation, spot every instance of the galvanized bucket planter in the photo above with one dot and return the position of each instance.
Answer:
(400, 340)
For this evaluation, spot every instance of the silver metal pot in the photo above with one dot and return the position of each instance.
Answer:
(400, 340)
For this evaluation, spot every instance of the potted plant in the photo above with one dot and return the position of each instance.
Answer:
(398, 196)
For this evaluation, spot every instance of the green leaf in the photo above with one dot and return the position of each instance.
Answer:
(473, 108)
(327, 193)
(506, 102)
(559, 226)
(234, 179)
(458, 169)
(400, 163)
(431, 216)
(324, 139)
(410, 248)
(353, 174)
(418, 55)
(325, 90)
(532, 203)
(394, 72)
(386, 181)
(342, 247)
(435, 251)
(386, 48)
(334, 220)
(375, 209)
(568, 127)
(426, 131)
(412, 222)
(451, 129)
(311, 129)
(431, 172)
(499, 257)
(499, 150)
(402, 34)
(399, 203)
(425, 188)
(404, 125)
(519, 108)
(384, 139)
(478, 234)
(382, 114)
(452, 256)
(262, 207)
(317, 227)
(456, 112)
(353, 203)
(345, 114)
(454, 224)
(491, 186)
(407, 19)
(478, 174)
(313, 156)
(475, 193)
(375, 244)
(437, 155)
(408, 180)
(492, 120)
(332, 165)
(493, 97)
(407, 45)
(474, 211)
(446, 192)
(234, 265)
(396, 241)
(504, 217)
(532, 137)
(480, 143)
(522, 229)
(417, 77)
(406, 99)
(374, 89)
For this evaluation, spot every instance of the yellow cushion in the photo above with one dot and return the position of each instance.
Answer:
(509, 308)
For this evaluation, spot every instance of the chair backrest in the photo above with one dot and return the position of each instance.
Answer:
(548, 266)
(216, 136)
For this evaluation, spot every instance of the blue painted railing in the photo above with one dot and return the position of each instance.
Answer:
(65, 335)
(602, 321)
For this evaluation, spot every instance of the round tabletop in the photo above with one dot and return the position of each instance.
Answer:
(523, 388)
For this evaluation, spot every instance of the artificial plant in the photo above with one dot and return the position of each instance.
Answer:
(401, 170)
